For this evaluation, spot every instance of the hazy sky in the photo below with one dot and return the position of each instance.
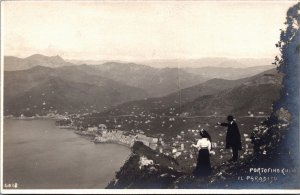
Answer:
(104, 30)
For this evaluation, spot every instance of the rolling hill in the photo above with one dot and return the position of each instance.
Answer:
(256, 93)
(40, 90)
(208, 61)
(228, 72)
(156, 81)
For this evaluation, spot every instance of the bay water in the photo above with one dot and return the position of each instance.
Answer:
(39, 155)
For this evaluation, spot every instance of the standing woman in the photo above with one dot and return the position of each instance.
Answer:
(203, 145)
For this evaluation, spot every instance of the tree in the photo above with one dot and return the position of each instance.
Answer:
(289, 64)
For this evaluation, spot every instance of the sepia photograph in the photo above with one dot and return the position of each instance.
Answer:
(150, 96)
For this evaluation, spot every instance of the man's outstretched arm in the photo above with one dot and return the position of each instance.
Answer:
(223, 124)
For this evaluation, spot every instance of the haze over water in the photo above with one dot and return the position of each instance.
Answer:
(39, 155)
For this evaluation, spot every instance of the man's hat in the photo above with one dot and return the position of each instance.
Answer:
(230, 118)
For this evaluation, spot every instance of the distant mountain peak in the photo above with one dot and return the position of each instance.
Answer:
(36, 56)
(44, 57)
(57, 57)
(13, 63)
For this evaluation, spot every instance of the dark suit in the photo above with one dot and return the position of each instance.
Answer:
(233, 138)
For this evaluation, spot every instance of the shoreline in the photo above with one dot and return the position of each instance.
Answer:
(97, 139)
(94, 139)
(113, 136)
(91, 135)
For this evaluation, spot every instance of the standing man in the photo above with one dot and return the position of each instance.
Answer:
(233, 137)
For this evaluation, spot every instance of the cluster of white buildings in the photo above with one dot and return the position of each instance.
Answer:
(115, 136)
(104, 135)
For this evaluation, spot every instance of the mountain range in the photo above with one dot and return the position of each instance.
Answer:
(256, 94)
(157, 82)
(193, 63)
(41, 89)
(205, 104)
(39, 84)
(207, 68)
(221, 96)
(227, 72)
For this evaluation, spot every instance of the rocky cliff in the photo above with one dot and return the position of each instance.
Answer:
(146, 169)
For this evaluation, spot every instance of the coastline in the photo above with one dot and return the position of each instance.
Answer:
(128, 141)
(91, 135)
(114, 142)
(128, 144)
(54, 117)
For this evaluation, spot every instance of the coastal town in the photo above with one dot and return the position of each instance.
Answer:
(171, 135)
(176, 144)
(166, 133)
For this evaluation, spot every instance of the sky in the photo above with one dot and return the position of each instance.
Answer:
(136, 30)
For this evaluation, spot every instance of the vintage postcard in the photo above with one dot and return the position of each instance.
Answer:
(150, 96)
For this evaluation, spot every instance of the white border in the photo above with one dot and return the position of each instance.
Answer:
(152, 191)
(1, 93)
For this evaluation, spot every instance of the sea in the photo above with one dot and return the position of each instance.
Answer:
(39, 155)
